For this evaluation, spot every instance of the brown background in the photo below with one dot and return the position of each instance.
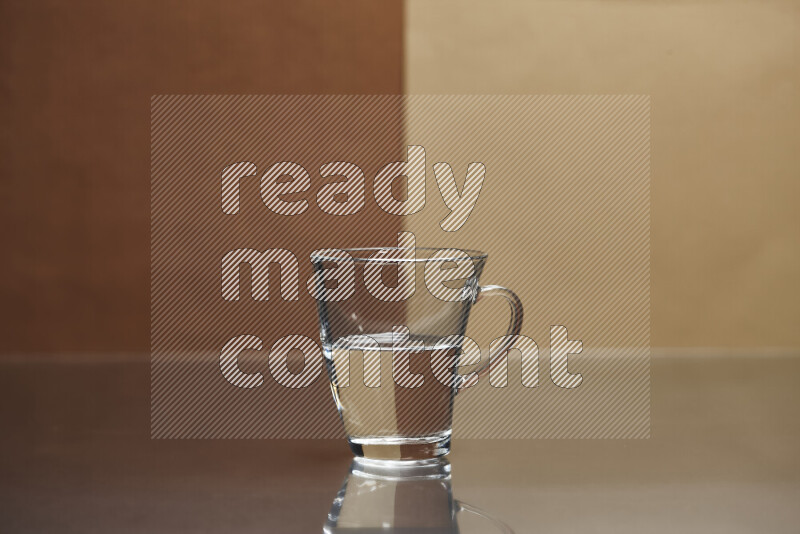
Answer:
(77, 78)
(76, 83)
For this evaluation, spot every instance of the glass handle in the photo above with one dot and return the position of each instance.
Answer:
(514, 327)
(501, 527)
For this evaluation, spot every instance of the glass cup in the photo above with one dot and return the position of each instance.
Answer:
(405, 312)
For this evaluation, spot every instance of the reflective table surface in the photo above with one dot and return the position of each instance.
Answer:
(76, 456)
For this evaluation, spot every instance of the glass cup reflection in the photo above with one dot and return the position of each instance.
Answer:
(395, 497)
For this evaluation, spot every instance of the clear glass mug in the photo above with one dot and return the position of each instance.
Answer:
(405, 311)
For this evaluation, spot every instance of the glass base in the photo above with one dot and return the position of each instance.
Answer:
(401, 449)
(401, 470)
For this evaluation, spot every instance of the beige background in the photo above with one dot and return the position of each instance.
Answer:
(723, 78)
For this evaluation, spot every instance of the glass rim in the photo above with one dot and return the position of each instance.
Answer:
(366, 254)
